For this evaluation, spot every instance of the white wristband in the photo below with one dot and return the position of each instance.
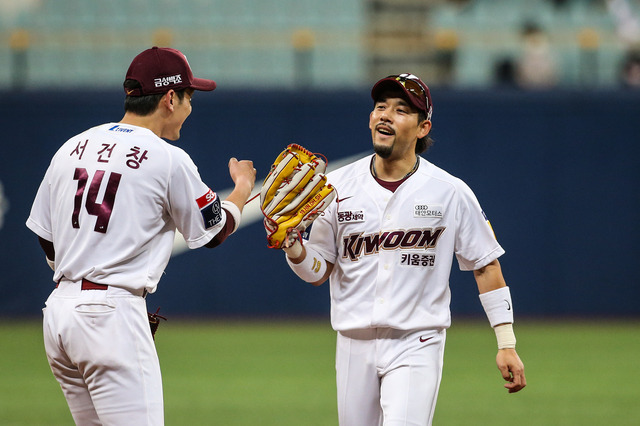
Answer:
(505, 336)
(234, 211)
(497, 305)
(311, 269)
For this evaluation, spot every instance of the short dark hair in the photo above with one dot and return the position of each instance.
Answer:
(146, 104)
(423, 144)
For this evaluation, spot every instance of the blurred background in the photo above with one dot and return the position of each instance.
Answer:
(536, 107)
(328, 44)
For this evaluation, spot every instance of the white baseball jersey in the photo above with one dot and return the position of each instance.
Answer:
(111, 200)
(393, 251)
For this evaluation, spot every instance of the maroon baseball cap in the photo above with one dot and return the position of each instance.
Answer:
(417, 92)
(160, 69)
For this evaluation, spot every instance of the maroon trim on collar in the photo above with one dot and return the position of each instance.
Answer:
(391, 186)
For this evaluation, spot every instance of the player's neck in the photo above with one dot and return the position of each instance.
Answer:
(147, 121)
(392, 170)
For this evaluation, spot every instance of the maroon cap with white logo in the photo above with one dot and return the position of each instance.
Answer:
(417, 92)
(160, 69)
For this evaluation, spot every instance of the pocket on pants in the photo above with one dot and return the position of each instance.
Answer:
(95, 308)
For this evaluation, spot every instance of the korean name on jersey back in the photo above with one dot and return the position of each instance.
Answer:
(210, 209)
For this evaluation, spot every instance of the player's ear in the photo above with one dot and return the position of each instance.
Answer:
(167, 99)
(424, 128)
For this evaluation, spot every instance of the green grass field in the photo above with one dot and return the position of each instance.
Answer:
(281, 373)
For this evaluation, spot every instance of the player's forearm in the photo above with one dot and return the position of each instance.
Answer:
(308, 265)
(296, 252)
(240, 194)
(498, 306)
(496, 301)
(490, 277)
(243, 175)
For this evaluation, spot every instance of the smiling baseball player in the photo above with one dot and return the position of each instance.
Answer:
(106, 213)
(387, 247)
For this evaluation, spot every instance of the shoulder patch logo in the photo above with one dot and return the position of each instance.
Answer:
(210, 209)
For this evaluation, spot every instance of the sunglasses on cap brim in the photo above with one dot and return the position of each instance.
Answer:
(411, 86)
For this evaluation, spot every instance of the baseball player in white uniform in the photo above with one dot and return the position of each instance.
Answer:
(387, 247)
(106, 214)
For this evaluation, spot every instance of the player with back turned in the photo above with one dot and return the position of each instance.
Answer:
(106, 213)
(387, 247)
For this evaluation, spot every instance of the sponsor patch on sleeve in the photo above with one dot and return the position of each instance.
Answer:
(210, 209)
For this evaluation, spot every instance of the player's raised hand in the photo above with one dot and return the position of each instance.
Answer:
(512, 369)
(242, 171)
(244, 176)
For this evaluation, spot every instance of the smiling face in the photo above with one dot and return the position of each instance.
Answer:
(181, 110)
(395, 126)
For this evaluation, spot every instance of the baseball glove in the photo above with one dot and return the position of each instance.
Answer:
(294, 194)
(154, 322)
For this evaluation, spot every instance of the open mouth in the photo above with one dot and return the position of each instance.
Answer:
(385, 130)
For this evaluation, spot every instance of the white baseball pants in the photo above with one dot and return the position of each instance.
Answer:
(100, 350)
(388, 377)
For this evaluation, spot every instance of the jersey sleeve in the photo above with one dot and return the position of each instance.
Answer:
(322, 234)
(195, 209)
(475, 245)
(39, 220)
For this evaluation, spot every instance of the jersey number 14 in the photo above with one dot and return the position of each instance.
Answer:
(101, 210)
